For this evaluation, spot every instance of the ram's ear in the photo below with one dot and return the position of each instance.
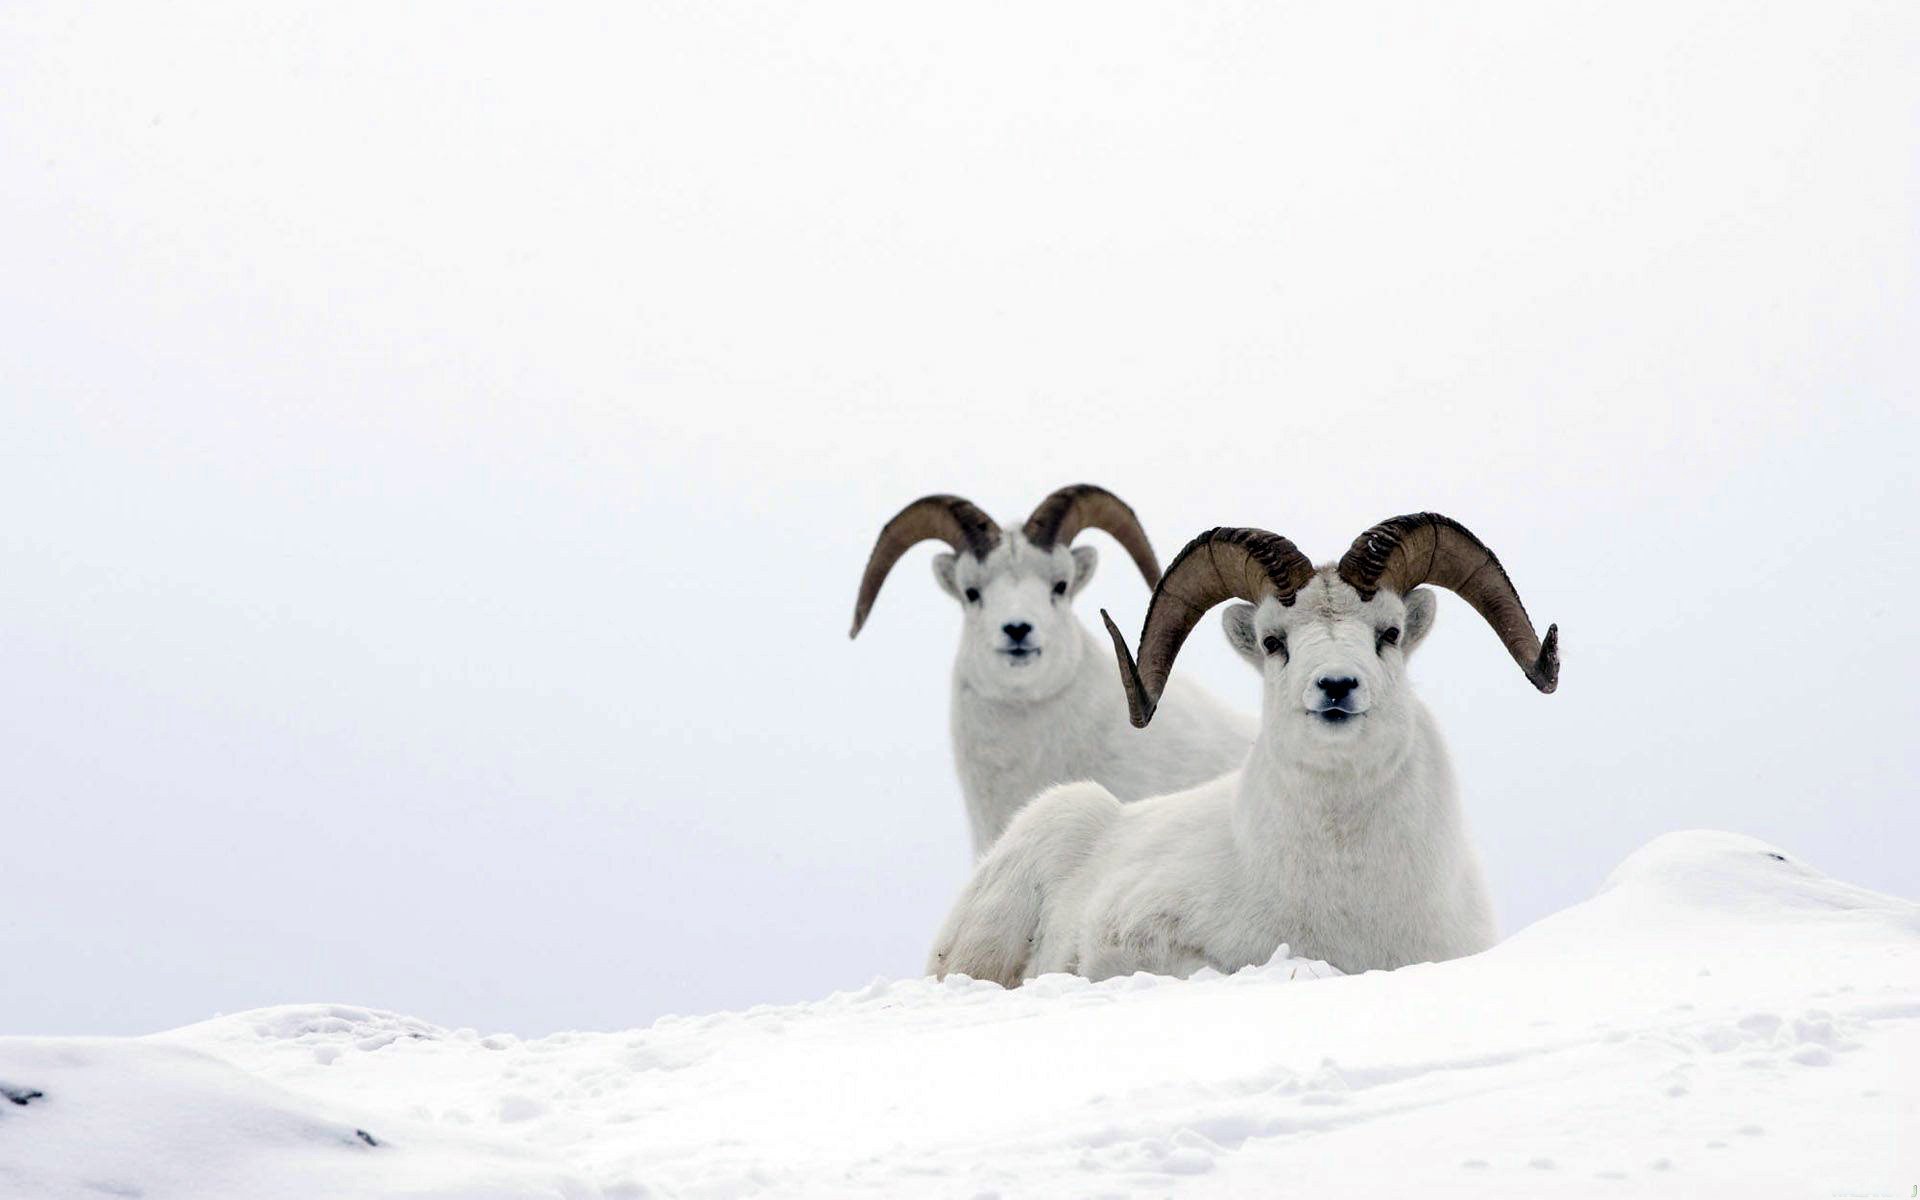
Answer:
(1085, 559)
(1237, 619)
(943, 574)
(1421, 610)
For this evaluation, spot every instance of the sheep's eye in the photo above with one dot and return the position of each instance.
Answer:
(1274, 643)
(973, 595)
(1390, 636)
(1060, 588)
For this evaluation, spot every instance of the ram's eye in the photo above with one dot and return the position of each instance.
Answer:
(1060, 588)
(1274, 643)
(1390, 636)
(973, 595)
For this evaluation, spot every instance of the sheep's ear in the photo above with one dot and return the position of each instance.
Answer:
(1085, 559)
(943, 574)
(1421, 609)
(1238, 621)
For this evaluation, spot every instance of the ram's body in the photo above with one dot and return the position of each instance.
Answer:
(1007, 752)
(1361, 873)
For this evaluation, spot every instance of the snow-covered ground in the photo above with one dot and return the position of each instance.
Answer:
(1720, 1020)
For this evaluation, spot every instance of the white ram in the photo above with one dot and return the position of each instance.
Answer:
(1342, 836)
(1033, 701)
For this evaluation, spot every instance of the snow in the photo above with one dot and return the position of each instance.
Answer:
(1719, 1020)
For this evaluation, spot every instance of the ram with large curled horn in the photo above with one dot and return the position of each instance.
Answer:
(1399, 555)
(1342, 837)
(1032, 700)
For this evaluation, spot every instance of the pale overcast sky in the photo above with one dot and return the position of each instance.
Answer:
(439, 448)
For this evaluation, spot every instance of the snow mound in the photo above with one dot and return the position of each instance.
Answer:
(1721, 1019)
(104, 1117)
(1716, 870)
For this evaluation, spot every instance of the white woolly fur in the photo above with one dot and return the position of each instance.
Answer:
(1022, 723)
(1342, 835)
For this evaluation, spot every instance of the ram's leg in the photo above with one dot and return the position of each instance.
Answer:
(993, 929)
(990, 933)
(1121, 944)
(1183, 961)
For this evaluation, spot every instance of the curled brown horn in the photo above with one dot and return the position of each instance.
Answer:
(954, 521)
(1402, 553)
(1062, 516)
(1220, 564)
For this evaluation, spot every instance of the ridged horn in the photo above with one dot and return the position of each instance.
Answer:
(1220, 564)
(1062, 516)
(954, 521)
(1402, 553)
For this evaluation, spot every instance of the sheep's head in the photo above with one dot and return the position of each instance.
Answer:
(1331, 643)
(1333, 666)
(1015, 588)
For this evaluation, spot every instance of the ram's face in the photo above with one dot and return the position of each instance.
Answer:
(1334, 665)
(1019, 639)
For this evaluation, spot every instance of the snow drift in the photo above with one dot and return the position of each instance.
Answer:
(1720, 1019)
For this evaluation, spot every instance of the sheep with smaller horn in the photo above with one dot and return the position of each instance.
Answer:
(1342, 836)
(1033, 702)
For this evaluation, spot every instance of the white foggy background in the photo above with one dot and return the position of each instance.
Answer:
(438, 448)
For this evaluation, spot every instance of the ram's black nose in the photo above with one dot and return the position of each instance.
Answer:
(1017, 631)
(1337, 689)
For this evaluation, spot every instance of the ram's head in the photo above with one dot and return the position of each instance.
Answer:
(1332, 642)
(1015, 587)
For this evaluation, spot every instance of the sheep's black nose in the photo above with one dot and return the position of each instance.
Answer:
(1017, 632)
(1337, 689)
